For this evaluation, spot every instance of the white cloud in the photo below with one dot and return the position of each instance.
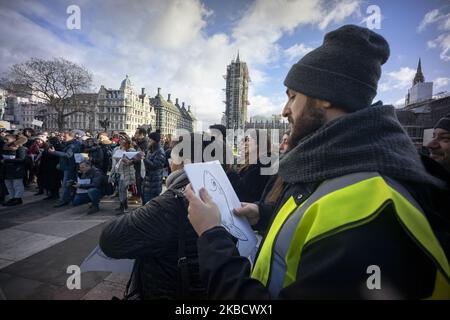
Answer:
(340, 12)
(179, 25)
(441, 82)
(19, 43)
(266, 21)
(429, 18)
(164, 43)
(397, 80)
(297, 51)
(400, 103)
(442, 42)
(263, 105)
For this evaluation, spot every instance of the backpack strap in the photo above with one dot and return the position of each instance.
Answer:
(133, 288)
(182, 263)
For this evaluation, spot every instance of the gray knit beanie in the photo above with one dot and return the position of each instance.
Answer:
(344, 70)
(444, 123)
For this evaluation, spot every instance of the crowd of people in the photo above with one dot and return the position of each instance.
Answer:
(77, 167)
(351, 193)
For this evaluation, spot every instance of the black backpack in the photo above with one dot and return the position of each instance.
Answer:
(188, 289)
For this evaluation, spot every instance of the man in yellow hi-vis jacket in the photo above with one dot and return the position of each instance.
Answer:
(355, 218)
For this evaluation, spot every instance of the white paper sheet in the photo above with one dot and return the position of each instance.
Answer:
(83, 181)
(210, 175)
(98, 261)
(37, 123)
(118, 154)
(80, 157)
(130, 155)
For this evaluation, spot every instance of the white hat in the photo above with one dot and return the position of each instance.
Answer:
(42, 137)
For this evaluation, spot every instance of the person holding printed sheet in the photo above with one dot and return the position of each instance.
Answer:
(123, 173)
(89, 187)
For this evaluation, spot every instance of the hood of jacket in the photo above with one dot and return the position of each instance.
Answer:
(371, 139)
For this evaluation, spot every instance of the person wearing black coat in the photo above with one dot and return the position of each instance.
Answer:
(350, 222)
(95, 152)
(3, 190)
(92, 188)
(160, 238)
(142, 144)
(250, 183)
(48, 174)
(13, 160)
(154, 164)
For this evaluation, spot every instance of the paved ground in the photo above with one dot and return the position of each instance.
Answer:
(38, 243)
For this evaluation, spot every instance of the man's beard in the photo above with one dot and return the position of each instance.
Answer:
(310, 120)
(446, 161)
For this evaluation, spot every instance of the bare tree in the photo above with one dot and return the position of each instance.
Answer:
(54, 82)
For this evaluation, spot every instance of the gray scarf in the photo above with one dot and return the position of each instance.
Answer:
(371, 139)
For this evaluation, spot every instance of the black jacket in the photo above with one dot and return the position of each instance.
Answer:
(150, 235)
(330, 268)
(335, 264)
(250, 185)
(107, 157)
(14, 168)
(48, 175)
(97, 179)
(96, 156)
(154, 164)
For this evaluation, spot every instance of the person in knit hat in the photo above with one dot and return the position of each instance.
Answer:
(106, 146)
(439, 146)
(13, 167)
(154, 164)
(354, 219)
(155, 136)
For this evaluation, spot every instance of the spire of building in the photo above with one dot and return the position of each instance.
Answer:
(419, 75)
(236, 101)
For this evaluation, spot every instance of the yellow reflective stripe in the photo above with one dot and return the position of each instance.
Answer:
(441, 288)
(420, 229)
(353, 206)
(339, 208)
(261, 270)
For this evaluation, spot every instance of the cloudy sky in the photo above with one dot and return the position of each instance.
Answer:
(184, 46)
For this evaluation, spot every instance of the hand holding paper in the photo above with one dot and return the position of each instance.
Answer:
(249, 211)
(203, 212)
(216, 194)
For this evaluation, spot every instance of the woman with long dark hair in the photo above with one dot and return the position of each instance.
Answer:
(250, 184)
